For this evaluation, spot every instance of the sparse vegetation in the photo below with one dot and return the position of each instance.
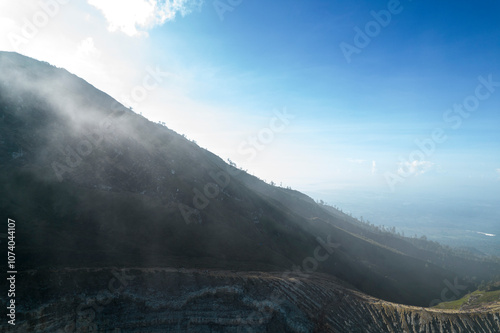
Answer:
(119, 205)
(476, 300)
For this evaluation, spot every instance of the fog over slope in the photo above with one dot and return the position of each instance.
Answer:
(93, 184)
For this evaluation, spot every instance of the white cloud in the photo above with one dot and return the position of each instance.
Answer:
(87, 48)
(498, 171)
(374, 167)
(133, 17)
(414, 168)
(7, 24)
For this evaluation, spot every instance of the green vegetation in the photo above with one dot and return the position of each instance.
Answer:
(119, 203)
(492, 285)
(475, 300)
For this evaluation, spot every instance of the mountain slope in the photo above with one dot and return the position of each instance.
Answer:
(91, 183)
(423, 250)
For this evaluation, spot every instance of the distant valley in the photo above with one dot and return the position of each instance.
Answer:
(125, 224)
(463, 222)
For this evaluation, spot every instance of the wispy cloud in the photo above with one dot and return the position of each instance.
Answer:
(374, 167)
(414, 168)
(87, 48)
(134, 17)
(357, 161)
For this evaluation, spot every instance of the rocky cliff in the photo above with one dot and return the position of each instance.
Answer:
(182, 300)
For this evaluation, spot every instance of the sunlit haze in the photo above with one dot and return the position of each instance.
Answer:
(250, 166)
(396, 100)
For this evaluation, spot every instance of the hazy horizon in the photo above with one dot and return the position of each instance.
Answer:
(309, 97)
(259, 166)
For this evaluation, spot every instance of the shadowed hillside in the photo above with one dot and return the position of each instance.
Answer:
(92, 184)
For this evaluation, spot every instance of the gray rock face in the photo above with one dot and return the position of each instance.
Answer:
(181, 300)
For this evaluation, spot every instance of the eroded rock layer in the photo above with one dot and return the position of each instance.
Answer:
(181, 300)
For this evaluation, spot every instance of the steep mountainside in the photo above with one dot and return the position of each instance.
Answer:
(429, 252)
(92, 184)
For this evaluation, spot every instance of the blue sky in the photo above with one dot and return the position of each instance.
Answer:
(352, 124)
